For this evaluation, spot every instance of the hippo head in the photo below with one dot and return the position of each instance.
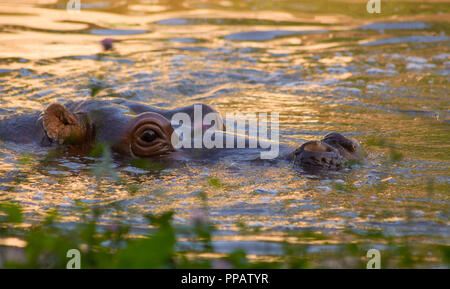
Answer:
(140, 131)
(331, 153)
(137, 135)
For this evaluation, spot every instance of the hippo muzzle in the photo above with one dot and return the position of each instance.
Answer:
(318, 155)
(331, 153)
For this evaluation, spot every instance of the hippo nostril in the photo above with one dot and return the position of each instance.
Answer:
(149, 136)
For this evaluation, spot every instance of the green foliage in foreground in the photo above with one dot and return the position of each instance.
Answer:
(45, 245)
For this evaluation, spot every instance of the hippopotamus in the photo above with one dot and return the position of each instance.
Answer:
(137, 130)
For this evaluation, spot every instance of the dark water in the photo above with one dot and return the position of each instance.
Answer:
(381, 79)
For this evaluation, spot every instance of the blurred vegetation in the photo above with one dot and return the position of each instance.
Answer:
(393, 153)
(46, 243)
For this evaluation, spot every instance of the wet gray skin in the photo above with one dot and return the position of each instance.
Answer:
(138, 130)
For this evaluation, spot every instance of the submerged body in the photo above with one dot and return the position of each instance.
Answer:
(137, 130)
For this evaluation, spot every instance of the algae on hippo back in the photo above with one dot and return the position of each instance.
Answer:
(137, 130)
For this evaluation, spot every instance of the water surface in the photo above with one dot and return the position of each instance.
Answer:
(381, 79)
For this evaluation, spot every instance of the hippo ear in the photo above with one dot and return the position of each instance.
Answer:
(62, 125)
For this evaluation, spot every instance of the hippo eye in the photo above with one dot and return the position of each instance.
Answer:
(149, 136)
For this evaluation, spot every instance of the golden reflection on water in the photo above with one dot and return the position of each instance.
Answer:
(175, 53)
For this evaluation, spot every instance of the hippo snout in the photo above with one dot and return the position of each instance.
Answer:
(148, 134)
(331, 153)
(318, 155)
